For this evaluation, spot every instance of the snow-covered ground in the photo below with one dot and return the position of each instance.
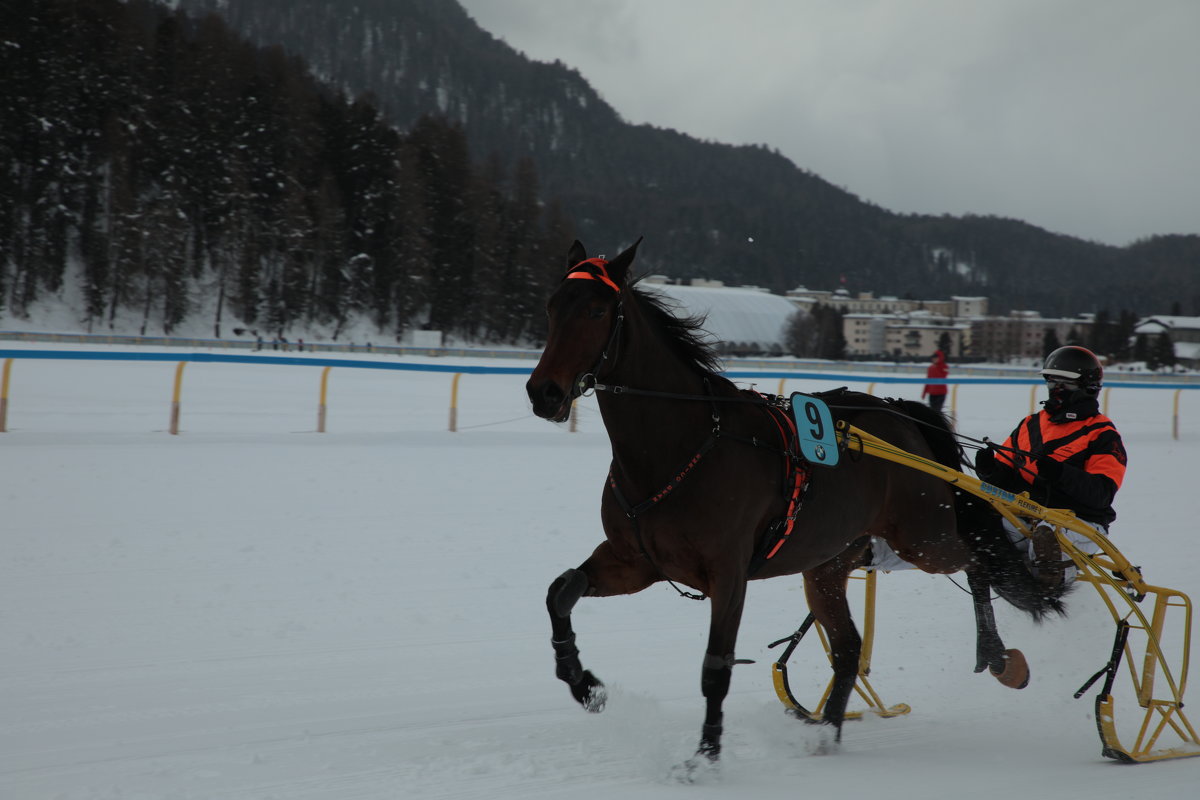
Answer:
(251, 609)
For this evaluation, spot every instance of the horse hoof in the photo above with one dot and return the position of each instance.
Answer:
(1015, 672)
(696, 769)
(826, 741)
(590, 693)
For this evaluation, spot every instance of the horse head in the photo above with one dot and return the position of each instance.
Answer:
(584, 326)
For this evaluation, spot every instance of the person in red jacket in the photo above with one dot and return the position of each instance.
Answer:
(936, 392)
(1068, 455)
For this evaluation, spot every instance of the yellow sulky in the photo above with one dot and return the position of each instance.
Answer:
(1145, 632)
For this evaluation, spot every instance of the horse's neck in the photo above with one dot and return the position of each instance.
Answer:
(650, 434)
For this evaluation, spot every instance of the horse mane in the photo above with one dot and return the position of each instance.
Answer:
(685, 335)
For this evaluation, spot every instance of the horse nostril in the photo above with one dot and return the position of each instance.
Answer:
(552, 394)
(546, 396)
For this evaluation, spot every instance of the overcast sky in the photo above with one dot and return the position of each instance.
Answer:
(1079, 116)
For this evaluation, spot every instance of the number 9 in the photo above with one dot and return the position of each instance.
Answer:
(814, 416)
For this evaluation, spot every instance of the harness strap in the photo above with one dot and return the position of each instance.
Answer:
(633, 512)
(800, 484)
(797, 477)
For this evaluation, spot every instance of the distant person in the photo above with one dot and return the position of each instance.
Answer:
(1068, 455)
(936, 392)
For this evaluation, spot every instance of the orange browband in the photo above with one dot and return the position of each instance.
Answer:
(599, 264)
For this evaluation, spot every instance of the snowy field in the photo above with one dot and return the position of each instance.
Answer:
(251, 609)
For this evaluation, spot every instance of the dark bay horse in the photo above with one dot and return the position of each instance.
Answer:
(702, 474)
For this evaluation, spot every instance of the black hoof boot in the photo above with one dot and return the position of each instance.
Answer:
(710, 742)
(590, 692)
(705, 762)
(586, 688)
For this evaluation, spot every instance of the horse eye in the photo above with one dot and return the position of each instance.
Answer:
(596, 312)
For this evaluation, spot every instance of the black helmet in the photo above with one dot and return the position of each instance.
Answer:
(1075, 364)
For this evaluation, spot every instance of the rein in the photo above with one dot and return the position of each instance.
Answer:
(593, 386)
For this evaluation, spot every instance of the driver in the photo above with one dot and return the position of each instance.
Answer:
(1069, 456)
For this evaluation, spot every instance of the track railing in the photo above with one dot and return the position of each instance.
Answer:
(8, 356)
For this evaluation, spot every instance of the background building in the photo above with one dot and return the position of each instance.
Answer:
(1025, 334)
(1183, 333)
(746, 319)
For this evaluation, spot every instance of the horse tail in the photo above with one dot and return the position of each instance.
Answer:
(999, 561)
(982, 529)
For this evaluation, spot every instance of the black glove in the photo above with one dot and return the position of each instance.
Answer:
(1049, 469)
(985, 462)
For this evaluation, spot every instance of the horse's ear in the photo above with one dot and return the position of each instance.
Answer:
(576, 254)
(618, 268)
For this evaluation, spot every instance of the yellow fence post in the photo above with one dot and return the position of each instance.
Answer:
(870, 388)
(574, 416)
(454, 402)
(321, 403)
(4, 395)
(781, 382)
(1104, 411)
(175, 397)
(954, 399)
(1032, 398)
(1174, 416)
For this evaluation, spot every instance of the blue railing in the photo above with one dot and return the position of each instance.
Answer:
(865, 373)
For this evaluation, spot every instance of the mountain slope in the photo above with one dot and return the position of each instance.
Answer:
(743, 214)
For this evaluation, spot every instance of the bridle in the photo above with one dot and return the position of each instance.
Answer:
(596, 269)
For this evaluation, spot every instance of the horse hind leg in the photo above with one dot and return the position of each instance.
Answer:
(825, 590)
(1006, 665)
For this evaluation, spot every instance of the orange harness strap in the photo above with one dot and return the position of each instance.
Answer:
(796, 476)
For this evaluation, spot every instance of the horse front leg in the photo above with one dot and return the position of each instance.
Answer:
(716, 672)
(1007, 666)
(600, 576)
(564, 593)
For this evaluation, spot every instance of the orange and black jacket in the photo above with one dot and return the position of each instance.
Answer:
(1091, 454)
